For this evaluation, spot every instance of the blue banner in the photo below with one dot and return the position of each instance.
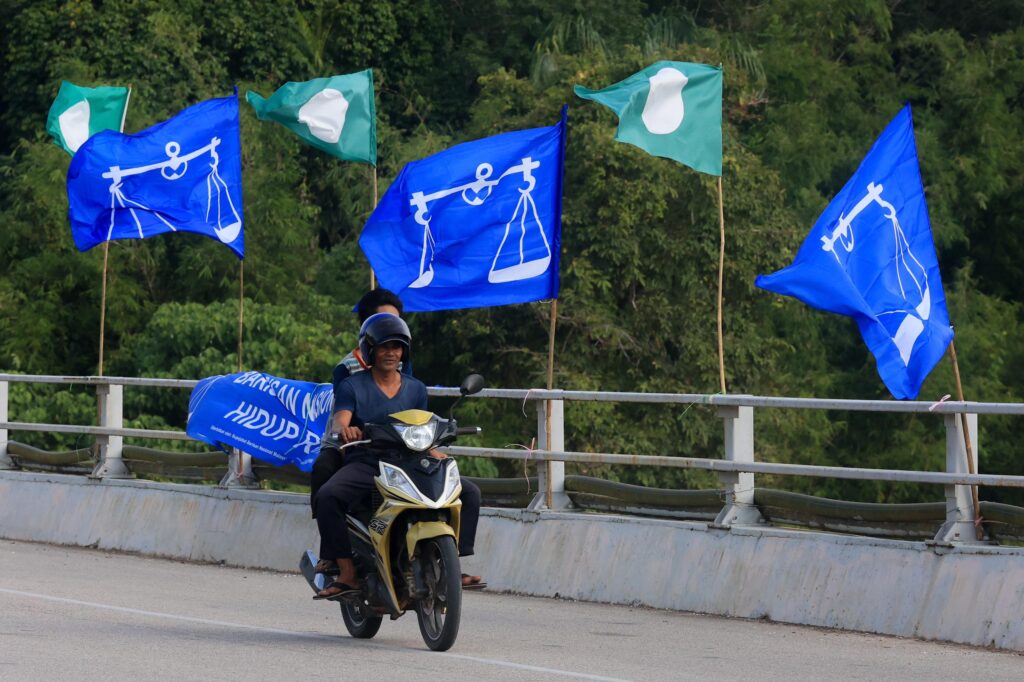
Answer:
(870, 255)
(476, 225)
(279, 421)
(184, 174)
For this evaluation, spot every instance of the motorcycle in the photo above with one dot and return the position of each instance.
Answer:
(405, 541)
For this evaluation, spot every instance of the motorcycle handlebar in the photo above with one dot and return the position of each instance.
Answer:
(341, 446)
(468, 431)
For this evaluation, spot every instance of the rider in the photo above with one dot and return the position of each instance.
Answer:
(370, 396)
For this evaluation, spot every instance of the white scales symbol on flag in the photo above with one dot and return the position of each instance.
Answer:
(524, 213)
(904, 262)
(172, 169)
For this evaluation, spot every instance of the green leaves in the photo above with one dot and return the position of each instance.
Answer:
(808, 86)
(192, 341)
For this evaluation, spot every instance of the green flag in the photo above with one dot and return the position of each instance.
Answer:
(670, 109)
(335, 114)
(79, 113)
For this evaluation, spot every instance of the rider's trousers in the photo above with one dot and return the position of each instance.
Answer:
(353, 482)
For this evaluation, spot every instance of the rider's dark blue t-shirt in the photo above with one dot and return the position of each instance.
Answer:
(360, 394)
(354, 363)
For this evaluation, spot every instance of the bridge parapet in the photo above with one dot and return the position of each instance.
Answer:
(736, 470)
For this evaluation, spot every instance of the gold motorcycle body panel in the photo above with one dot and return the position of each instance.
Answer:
(382, 525)
(413, 417)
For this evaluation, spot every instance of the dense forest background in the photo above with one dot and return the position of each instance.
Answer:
(809, 84)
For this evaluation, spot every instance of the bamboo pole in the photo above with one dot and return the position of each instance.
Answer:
(241, 309)
(373, 277)
(124, 114)
(106, 257)
(551, 384)
(103, 302)
(721, 279)
(978, 529)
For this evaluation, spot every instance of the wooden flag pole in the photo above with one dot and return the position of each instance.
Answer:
(241, 308)
(373, 278)
(103, 302)
(551, 343)
(547, 403)
(124, 114)
(979, 530)
(106, 256)
(721, 278)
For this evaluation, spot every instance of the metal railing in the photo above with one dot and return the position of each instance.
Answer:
(736, 470)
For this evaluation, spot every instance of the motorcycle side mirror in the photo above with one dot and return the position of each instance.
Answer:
(474, 383)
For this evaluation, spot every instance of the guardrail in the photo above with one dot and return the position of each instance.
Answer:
(736, 469)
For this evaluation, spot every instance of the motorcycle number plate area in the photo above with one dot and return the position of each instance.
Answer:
(378, 526)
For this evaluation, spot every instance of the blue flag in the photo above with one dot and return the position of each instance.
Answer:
(279, 421)
(870, 256)
(476, 225)
(184, 174)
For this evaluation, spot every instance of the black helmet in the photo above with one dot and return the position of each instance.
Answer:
(381, 328)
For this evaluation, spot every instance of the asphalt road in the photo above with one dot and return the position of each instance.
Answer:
(77, 614)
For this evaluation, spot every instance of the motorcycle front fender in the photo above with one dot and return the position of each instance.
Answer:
(424, 530)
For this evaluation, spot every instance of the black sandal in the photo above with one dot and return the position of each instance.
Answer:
(344, 591)
(472, 582)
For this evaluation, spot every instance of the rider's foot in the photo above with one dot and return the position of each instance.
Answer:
(344, 585)
(347, 572)
(472, 582)
(336, 590)
(327, 567)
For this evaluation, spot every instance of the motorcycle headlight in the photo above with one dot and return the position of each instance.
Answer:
(399, 480)
(417, 438)
(452, 481)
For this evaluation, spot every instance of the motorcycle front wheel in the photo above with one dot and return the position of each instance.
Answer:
(440, 611)
(360, 622)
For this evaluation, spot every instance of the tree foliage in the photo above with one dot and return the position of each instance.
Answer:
(809, 84)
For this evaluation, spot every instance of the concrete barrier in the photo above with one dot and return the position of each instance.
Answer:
(252, 528)
(972, 595)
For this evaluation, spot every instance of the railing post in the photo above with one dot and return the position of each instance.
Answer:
(739, 506)
(109, 463)
(959, 525)
(551, 475)
(5, 459)
(239, 474)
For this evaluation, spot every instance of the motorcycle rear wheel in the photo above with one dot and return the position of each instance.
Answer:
(440, 611)
(359, 620)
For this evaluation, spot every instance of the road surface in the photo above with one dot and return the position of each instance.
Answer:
(79, 614)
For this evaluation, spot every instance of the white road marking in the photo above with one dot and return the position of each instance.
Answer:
(306, 635)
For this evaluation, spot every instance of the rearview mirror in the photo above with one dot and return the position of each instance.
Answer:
(474, 383)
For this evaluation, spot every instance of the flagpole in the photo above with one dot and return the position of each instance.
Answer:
(124, 114)
(547, 403)
(978, 529)
(721, 277)
(241, 308)
(373, 277)
(103, 302)
(551, 343)
(106, 256)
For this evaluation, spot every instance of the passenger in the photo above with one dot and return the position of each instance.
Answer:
(373, 302)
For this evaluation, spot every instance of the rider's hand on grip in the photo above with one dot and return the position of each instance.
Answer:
(351, 433)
